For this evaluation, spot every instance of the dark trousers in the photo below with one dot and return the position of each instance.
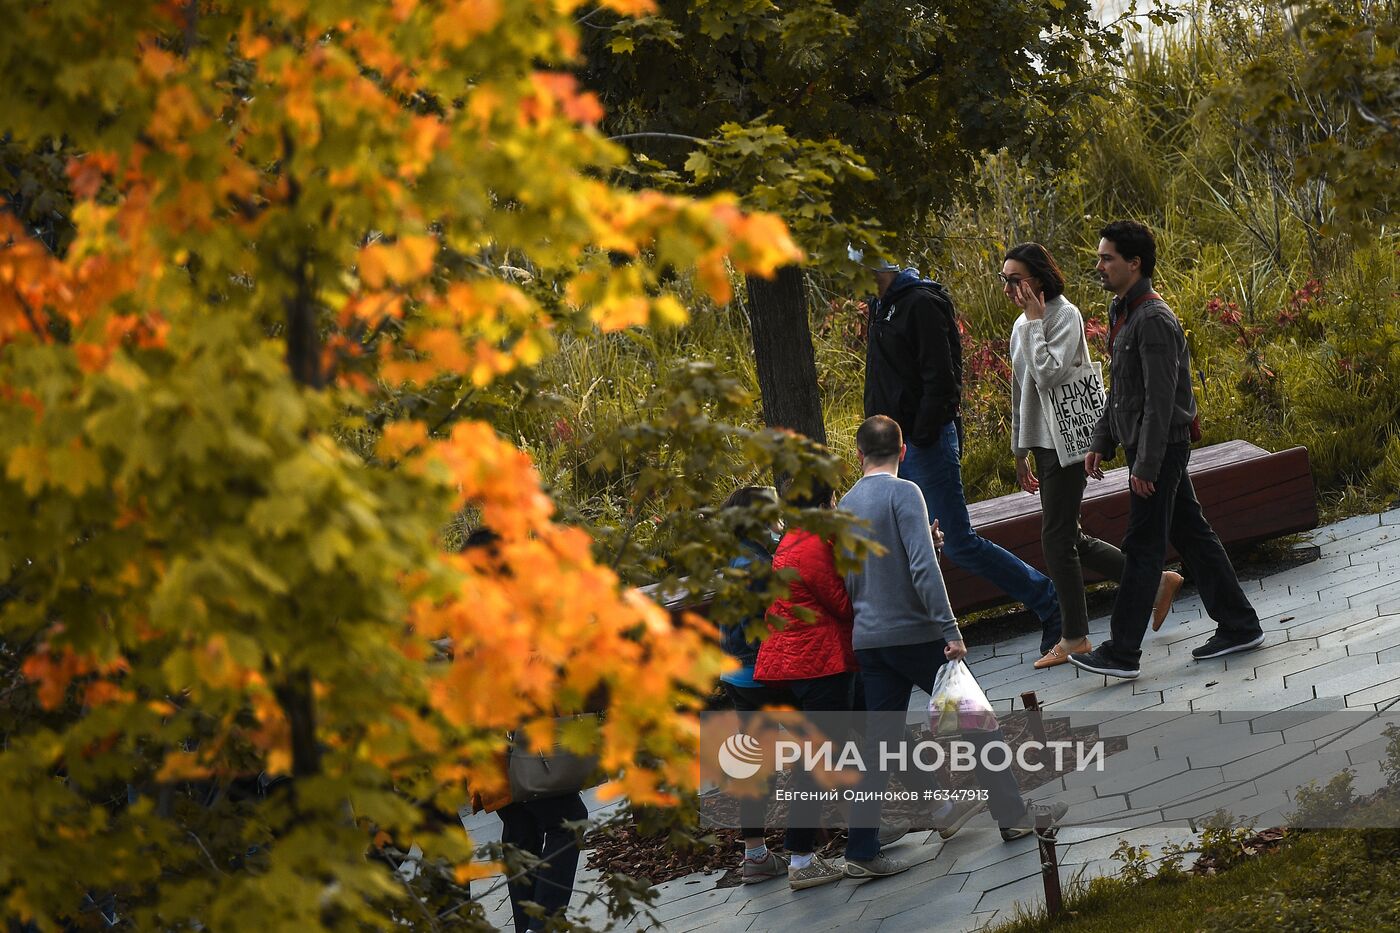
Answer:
(835, 693)
(537, 827)
(1173, 513)
(889, 675)
(1066, 547)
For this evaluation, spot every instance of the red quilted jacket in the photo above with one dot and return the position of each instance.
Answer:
(804, 650)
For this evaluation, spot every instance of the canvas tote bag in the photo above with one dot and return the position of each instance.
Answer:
(1074, 405)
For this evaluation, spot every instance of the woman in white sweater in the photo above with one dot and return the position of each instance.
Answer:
(1046, 343)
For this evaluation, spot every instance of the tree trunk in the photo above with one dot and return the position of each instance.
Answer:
(782, 349)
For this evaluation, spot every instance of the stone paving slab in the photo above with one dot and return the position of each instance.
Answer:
(1384, 600)
(1380, 552)
(1374, 536)
(1355, 525)
(1275, 651)
(1325, 623)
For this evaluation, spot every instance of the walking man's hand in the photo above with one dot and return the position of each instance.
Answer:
(955, 650)
(937, 536)
(1092, 467)
(1142, 487)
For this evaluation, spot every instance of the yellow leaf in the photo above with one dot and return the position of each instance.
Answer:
(30, 465)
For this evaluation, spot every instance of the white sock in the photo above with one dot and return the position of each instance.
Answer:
(801, 861)
(757, 855)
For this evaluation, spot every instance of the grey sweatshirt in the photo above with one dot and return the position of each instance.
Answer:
(899, 597)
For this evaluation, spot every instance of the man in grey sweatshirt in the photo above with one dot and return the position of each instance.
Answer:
(904, 632)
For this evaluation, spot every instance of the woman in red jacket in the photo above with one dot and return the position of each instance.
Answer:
(812, 661)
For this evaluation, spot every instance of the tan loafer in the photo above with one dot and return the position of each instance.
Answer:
(1056, 656)
(1166, 595)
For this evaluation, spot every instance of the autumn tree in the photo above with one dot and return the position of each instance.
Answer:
(222, 554)
(855, 121)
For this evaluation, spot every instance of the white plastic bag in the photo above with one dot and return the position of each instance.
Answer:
(958, 704)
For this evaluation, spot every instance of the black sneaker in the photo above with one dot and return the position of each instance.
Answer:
(1221, 644)
(1038, 816)
(1096, 662)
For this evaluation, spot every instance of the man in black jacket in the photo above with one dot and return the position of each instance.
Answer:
(913, 374)
(1150, 412)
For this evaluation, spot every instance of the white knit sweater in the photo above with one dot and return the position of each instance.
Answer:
(1042, 352)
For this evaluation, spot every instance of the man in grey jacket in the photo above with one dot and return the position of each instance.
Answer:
(1151, 411)
(904, 632)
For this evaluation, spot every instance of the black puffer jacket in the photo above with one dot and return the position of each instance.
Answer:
(913, 361)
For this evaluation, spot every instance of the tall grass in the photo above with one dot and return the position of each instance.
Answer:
(1314, 358)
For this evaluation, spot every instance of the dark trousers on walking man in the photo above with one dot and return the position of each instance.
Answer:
(889, 676)
(1173, 514)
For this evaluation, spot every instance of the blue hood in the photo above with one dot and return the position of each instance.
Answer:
(903, 282)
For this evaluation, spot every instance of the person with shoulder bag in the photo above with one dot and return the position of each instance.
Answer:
(543, 797)
(1057, 396)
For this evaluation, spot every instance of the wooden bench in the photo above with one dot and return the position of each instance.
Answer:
(1248, 495)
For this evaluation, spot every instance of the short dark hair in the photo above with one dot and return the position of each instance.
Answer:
(1042, 266)
(746, 497)
(483, 537)
(819, 495)
(879, 438)
(1133, 240)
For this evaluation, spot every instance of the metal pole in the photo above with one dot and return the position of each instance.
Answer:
(1050, 870)
(1045, 835)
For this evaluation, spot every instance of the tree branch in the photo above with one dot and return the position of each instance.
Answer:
(29, 316)
(212, 864)
(680, 136)
(303, 342)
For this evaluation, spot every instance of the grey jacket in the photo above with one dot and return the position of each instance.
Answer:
(1150, 402)
(898, 596)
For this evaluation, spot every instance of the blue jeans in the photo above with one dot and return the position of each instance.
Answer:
(937, 471)
(889, 675)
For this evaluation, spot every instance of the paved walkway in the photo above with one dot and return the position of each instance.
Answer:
(1333, 630)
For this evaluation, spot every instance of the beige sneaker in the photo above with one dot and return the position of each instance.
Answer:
(881, 866)
(957, 818)
(770, 866)
(818, 873)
